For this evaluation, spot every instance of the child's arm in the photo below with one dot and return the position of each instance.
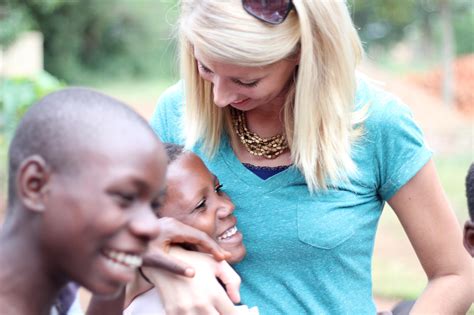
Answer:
(202, 294)
(171, 232)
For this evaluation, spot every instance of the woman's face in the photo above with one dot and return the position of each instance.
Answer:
(247, 88)
(194, 197)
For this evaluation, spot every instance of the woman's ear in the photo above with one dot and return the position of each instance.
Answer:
(32, 183)
(296, 55)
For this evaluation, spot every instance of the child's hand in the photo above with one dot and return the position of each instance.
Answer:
(245, 310)
(202, 294)
(175, 232)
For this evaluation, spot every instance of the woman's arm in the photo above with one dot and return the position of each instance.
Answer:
(422, 208)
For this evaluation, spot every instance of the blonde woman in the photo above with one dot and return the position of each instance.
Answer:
(310, 152)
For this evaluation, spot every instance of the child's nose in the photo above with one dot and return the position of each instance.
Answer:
(144, 224)
(226, 208)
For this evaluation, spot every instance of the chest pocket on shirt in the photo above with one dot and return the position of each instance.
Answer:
(326, 221)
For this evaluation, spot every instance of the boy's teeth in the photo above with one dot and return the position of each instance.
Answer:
(227, 234)
(128, 260)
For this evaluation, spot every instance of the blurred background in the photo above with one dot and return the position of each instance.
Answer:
(421, 50)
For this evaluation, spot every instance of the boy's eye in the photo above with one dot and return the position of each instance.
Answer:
(155, 206)
(218, 188)
(124, 199)
(201, 204)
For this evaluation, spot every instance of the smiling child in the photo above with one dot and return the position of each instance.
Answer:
(195, 197)
(86, 174)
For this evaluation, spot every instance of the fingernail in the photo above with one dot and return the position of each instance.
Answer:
(238, 297)
(189, 272)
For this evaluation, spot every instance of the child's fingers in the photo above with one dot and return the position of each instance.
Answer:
(230, 279)
(159, 259)
(174, 232)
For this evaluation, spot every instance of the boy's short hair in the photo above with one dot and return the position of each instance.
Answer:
(470, 190)
(58, 124)
(173, 151)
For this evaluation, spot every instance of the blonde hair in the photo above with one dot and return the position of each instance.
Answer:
(318, 112)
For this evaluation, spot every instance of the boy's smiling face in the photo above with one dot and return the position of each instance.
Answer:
(105, 213)
(194, 197)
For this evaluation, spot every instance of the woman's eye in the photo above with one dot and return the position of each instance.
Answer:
(247, 84)
(204, 68)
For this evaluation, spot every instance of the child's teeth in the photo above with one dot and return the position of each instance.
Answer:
(227, 234)
(128, 260)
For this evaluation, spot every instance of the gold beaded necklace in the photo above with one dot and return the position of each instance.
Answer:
(269, 148)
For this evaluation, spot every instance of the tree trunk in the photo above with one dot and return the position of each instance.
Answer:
(448, 52)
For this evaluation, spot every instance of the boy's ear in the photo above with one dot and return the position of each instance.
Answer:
(469, 237)
(32, 182)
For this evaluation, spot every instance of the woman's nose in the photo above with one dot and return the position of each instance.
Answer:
(222, 94)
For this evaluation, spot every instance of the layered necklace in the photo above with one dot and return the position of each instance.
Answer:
(268, 148)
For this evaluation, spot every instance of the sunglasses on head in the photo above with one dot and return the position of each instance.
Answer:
(270, 11)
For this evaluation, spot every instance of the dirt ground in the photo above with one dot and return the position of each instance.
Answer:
(447, 130)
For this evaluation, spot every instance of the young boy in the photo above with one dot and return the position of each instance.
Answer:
(195, 197)
(86, 174)
(469, 225)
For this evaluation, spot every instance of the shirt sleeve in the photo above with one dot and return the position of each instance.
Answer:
(166, 119)
(400, 147)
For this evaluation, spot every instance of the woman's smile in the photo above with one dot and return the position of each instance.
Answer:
(240, 103)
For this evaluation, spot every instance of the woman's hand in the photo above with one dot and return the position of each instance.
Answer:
(202, 294)
(174, 232)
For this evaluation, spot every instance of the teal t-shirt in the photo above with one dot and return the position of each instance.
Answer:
(311, 254)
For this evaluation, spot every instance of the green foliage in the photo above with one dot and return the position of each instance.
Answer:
(17, 95)
(384, 23)
(90, 41)
(15, 18)
(95, 40)
(464, 28)
(87, 41)
(12, 23)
